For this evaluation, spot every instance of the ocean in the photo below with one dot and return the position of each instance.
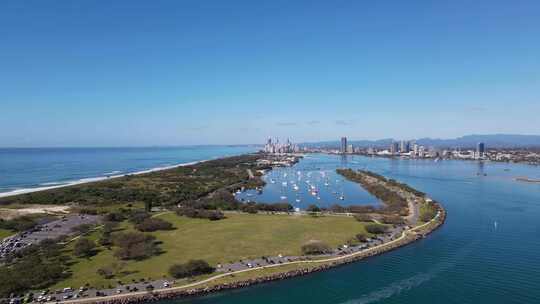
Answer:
(27, 169)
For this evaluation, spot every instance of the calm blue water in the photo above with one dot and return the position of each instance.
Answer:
(31, 168)
(468, 260)
(312, 181)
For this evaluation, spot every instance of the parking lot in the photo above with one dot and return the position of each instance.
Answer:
(48, 230)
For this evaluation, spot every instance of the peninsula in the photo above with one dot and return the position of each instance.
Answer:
(181, 232)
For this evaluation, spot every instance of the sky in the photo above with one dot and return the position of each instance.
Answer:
(138, 73)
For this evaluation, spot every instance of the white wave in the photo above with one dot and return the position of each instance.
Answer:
(112, 172)
(53, 183)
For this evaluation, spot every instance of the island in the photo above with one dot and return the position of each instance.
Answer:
(181, 232)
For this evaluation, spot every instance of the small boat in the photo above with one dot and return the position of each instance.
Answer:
(284, 184)
(342, 197)
(283, 197)
(318, 197)
(296, 188)
(272, 181)
(298, 200)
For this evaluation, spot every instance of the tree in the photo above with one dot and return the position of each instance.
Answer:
(362, 217)
(313, 208)
(191, 268)
(315, 247)
(375, 228)
(84, 247)
(134, 246)
(153, 224)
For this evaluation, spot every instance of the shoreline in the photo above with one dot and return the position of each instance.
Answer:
(86, 180)
(408, 236)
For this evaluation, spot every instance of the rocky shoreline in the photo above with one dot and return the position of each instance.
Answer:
(161, 295)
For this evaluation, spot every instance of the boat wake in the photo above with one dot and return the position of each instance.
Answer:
(406, 284)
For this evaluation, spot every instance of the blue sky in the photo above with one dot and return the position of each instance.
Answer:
(115, 73)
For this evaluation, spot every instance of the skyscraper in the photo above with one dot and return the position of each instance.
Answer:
(343, 145)
(480, 150)
(405, 146)
(394, 147)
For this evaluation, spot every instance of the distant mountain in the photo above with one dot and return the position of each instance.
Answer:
(468, 141)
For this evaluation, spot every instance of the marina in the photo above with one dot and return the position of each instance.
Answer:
(311, 181)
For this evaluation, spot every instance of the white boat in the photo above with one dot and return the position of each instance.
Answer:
(296, 188)
(298, 200)
(283, 197)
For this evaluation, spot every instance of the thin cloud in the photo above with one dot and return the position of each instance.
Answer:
(313, 122)
(286, 124)
(343, 122)
(199, 128)
(477, 109)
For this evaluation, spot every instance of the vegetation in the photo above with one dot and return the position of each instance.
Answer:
(160, 188)
(84, 247)
(428, 210)
(189, 269)
(34, 267)
(153, 224)
(21, 223)
(394, 203)
(213, 215)
(313, 208)
(362, 217)
(315, 247)
(134, 246)
(375, 228)
(239, 236)
(393, 219)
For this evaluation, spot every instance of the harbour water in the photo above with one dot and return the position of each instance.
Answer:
(486, 252)
(32, 168)
(312, 181)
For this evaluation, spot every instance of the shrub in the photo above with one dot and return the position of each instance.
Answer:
(313, 208)
(84, 247)
(375, 228)
(315, 247)
(362, 217)
(427, 212)
(115, 217)
(212, 215)
(109, 271)
(361, 237)
(191, 268)
(153, 224)
(82, 228)
(392, 219)
(137, 217)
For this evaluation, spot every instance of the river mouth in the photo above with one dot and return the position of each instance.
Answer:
(312, 181)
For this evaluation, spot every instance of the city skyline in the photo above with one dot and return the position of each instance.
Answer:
(89, 74)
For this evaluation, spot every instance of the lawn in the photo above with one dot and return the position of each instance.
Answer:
(4, 233)
(239, 236)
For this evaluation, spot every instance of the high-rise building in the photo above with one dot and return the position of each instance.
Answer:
(350, 149)
(343, 145)
(480, 150)
(394, 147)
(405, 146)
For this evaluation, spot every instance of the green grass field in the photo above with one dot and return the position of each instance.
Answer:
(5, 233)
(239, 236)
